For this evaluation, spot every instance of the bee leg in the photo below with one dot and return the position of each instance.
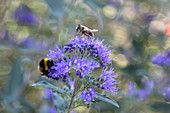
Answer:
(78, 32)
(82, 35)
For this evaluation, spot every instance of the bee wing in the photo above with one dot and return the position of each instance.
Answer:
(94, 30)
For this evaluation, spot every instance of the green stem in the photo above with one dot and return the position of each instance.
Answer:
(72, 98)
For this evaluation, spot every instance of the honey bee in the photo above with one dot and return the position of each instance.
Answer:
(85, 30)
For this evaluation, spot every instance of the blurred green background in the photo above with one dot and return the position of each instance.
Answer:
(135, 29)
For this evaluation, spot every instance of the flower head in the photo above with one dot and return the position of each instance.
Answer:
(162, 59)
(51, 109)
(59, 70)
(166, 92)
(49, 95)
(88, 95)
(131, 88)
(84, 66)
(24, 15)
(109, 80)
(142, 94)
(148, 17)
(71, 83)
(84, 61)
(81, 56)
(149, 84)
(158, 59)
(89, 48)
(57, 53)
(30, 42)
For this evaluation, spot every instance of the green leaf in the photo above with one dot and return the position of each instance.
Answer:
(50, 86)
(161, 107)
(60, 103)
(103, 107)
(15, 80)
(106, 99)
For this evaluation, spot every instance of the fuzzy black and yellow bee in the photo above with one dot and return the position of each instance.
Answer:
(85, 30)
(44, 66)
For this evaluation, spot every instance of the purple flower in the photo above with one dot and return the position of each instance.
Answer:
(85, 54)
(73, 111)
(111, 2)
(31, 43)
(115, 2)
(56, 54)
(131, 88)
(148, 17)
(142, 94)
(51, 109)
(84, 67)
(61, 66)
(49, 95)
(149, 84)
(82, 55)
(162, 59)
(24, 15)
(88, 95)
(81, 66)
(59, 70)
(4, 36)
(89, 48)
(158, 59)
(109, 80)
(166, 92)
(71, 83)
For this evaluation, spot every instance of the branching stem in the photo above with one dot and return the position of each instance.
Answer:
(74, 92)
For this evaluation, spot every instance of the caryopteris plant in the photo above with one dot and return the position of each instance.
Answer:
(74, 64)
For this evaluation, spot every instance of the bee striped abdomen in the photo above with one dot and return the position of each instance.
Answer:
(90, 33)
(44, 66)
(85, 30)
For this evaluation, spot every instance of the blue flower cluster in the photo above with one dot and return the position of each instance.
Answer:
(88, 95)
(143, 93)
(162, 59)
(109, 82)
(166, 92)
(49, 96)
(24, 15)
(89, 48)
(82, 55)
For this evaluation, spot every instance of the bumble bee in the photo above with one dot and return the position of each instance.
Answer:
(85, 30)
(44, 66)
